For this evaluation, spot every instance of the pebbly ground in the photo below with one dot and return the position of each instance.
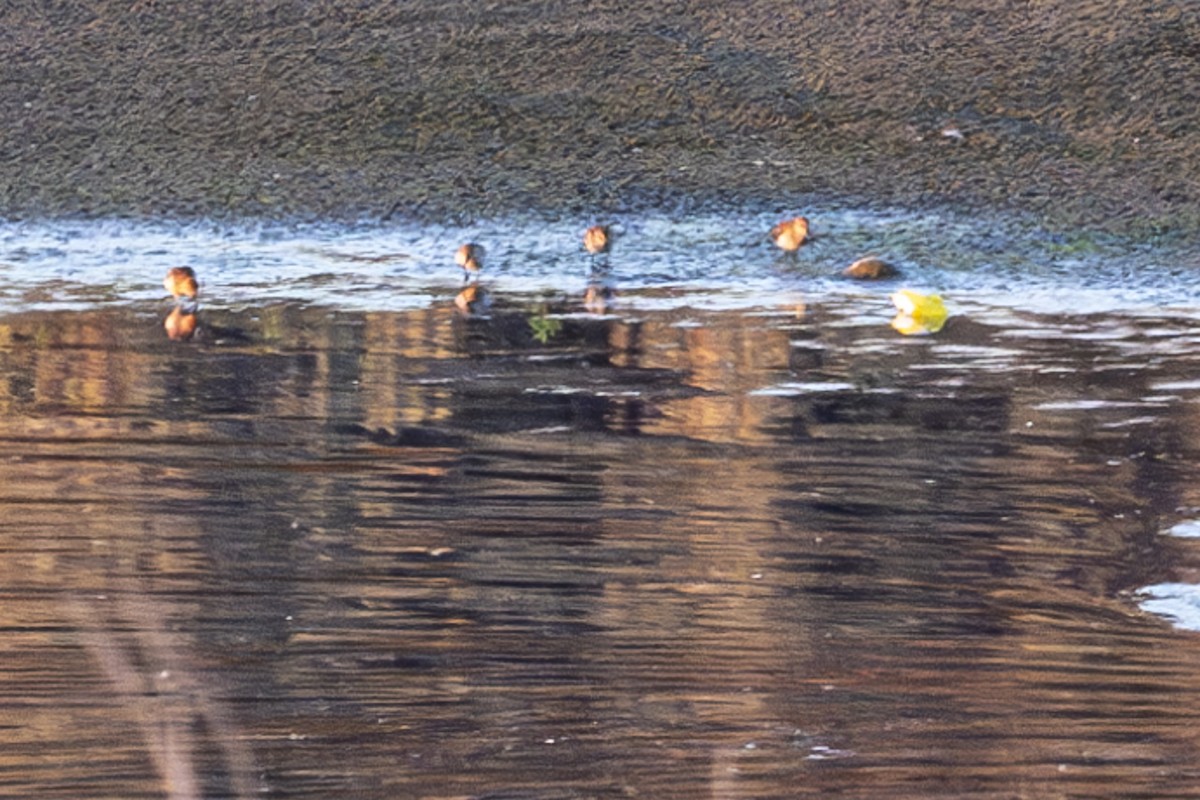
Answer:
(1074, 112)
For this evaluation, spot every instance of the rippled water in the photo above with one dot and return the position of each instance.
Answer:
(716, 260)
(731, 538)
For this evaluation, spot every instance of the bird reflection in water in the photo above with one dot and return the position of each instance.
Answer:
(599, 295)
(181, 324)
(473, 300)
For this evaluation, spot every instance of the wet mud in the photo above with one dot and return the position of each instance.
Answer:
(1074, 113)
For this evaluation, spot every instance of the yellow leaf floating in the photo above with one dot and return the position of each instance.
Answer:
(919, 313)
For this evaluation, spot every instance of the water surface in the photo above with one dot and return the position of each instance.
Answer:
(730, 536)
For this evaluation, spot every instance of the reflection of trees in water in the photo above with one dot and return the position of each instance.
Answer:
(130, 634)
(378, 369)
(615, 528)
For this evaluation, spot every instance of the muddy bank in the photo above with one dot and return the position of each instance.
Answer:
(1082, 113)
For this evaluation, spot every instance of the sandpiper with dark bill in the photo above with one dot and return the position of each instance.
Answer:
(470, 258)
(597, 297)
(598, 239)
(181, 283)
(790, 234)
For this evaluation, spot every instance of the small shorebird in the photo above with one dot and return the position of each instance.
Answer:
(870, 269)
(598, 239)
(790, 234)
(181, 282)
(470, 258)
